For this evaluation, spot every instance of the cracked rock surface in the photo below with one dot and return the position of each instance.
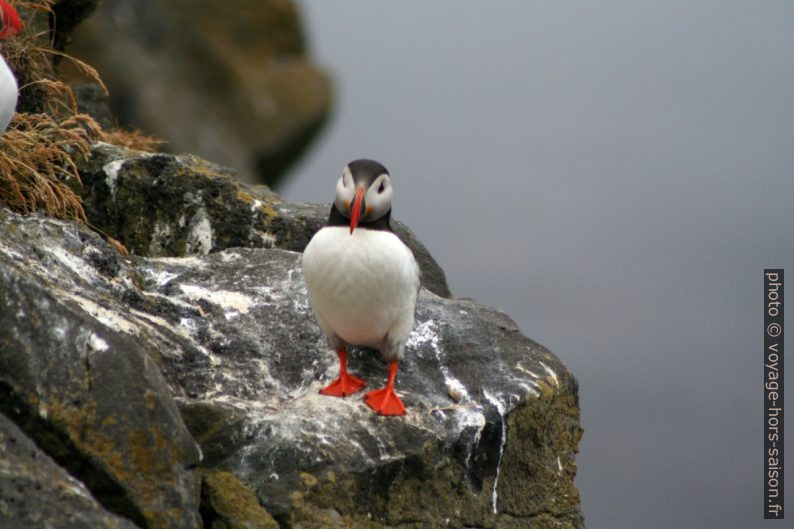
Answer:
(42, 494)
(77, 378)
(165, 205)
(119, 367)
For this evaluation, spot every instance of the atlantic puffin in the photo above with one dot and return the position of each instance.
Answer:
(362, 280)
(10, 25)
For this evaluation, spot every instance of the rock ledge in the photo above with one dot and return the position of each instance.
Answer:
(117, 367)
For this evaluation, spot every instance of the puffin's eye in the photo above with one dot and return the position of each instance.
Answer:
(382, 188)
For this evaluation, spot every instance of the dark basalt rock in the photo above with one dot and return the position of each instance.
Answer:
(92, 100)
(79, 383)
(232, 82)
(36, 492)
(105, 361)
(163, 205)
(249, 393)
(64, 17)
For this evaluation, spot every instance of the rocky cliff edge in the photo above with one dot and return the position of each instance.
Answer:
(178, 386)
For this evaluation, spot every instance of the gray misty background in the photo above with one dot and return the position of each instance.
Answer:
(613, 175)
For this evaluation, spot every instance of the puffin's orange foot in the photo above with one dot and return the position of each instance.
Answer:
(385, 401)
(343, 386)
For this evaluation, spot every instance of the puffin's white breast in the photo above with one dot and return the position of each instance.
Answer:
(363, 286)
(8, 94)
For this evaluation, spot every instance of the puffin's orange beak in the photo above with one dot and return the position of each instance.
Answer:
(10, 24)
(355, 212)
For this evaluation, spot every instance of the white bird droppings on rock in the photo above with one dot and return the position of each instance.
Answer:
(109, 318)
(112, 169)
(73, 263)
(163, 277)
(199, 237)
(229, 257)
(551, 373)
(427, 333)
(223, 298)
(160, 237)
(501, 409)
(268, 239)
(96, 343)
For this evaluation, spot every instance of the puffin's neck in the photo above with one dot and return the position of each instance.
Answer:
(337, 219)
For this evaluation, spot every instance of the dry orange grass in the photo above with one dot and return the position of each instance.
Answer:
(133, 139)
(31, 56)
(38, 163)
(40, 151)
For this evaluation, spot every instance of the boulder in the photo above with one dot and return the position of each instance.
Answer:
(165, 205)
(491, 429)
(227, 80)
(80, 383)
(228, 504)
(106, 359)
(36, 492)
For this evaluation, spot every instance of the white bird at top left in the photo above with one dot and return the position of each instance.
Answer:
(10, 25)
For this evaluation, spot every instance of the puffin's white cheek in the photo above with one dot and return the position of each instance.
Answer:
(344, 195)
(378, 203)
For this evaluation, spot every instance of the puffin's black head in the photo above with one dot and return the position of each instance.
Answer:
(363, 192)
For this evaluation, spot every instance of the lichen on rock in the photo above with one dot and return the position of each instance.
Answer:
(228, 504)
(117, 366)
(77, 381)
(165, 205)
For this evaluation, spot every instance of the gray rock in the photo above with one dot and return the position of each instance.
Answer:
(102, 353)
(93, 101)
(76, 378)
(492, 423)
(229, 81)
(489, 439)
(36, 492)
(162, 205)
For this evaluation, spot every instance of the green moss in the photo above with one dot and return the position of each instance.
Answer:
(228, 504)
(538, 466)
(431, 489)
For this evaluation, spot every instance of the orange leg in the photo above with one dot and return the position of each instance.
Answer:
(346, 384)
(385, 400)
